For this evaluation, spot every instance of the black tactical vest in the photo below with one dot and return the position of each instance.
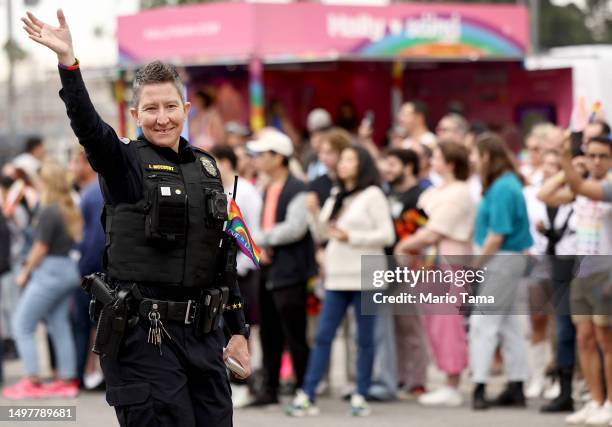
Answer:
(169, 237)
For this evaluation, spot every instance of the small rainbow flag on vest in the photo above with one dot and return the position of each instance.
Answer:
(237, 228)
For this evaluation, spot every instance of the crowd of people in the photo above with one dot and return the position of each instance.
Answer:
(55, 237)
(315, 207)
(457, 191)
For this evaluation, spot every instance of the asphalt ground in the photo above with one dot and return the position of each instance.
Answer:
(93, 411)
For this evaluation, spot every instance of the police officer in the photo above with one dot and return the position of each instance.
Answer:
(163, 224)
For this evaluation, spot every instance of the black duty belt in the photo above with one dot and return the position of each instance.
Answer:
(175, 311)
(113, 308)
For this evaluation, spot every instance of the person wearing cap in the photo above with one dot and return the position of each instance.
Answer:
(317, 123)
(235, 134)
(287, 262)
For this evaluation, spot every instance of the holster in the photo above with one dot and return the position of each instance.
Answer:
(101, 294)
(210, 309)
(111, 309)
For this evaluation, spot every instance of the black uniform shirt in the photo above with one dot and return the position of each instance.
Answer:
(117, 162)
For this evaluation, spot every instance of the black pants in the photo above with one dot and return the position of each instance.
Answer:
(185, 386)
(563, 271)
(283, 321)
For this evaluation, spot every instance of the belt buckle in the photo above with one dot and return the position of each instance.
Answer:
(189, 317)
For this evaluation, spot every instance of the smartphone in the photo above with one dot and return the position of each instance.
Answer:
(368, 118)
(576, 143)
(233, 365)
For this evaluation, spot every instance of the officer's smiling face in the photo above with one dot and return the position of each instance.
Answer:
(161, 114)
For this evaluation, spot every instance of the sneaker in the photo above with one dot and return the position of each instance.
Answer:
(347, 392)
(601, 416)
(581, 391)
(93, 380)
(58, 388)
(553, 391)
(301, 406)
(359, 406)
(536, 388)
(412, 394)
(580, 416)
(263, 400)
(23, 389)
(445, 396)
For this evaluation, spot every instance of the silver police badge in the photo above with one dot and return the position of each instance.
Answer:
(208, 166)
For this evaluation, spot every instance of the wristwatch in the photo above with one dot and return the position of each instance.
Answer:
(245, 331)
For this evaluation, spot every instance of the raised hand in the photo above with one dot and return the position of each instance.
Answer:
(58, 39)
(566, 147)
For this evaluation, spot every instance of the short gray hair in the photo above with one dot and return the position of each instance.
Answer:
(157, 72)
(541, 132)
(459, 121)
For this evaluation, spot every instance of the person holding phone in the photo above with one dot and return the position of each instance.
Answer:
(593, 189)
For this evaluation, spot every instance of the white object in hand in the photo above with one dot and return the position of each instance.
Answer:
(233, 365)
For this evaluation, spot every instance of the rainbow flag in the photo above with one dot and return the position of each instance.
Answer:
(237, 228)
(595, 111)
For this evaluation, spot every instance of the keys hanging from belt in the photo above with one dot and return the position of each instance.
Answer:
(156, 329)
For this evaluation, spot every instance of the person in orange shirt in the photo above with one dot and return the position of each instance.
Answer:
(288, 262)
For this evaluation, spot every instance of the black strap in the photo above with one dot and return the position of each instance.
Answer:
(554, 236)
(562, 231)
(552, 212)
(176, 311)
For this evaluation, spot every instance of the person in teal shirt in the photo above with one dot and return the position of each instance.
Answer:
(502, 234)
(503, 211)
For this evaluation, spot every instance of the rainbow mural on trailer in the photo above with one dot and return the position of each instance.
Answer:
(442, 35)
(207, 33)
(470, 37)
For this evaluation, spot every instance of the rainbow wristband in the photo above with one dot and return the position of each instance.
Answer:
(72, 67)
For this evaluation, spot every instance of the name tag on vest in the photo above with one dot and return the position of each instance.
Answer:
(163, 168)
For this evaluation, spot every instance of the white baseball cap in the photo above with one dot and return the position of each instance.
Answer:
(271, 140)
(318, 119)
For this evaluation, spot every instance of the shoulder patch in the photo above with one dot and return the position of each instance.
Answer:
(125, 140)
(209, 167)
